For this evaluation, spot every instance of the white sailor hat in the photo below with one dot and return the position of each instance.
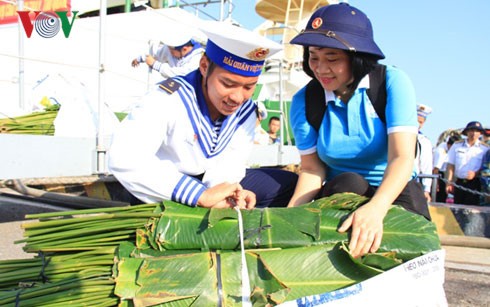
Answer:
(177, 38)
(236, 49)
(423, 110)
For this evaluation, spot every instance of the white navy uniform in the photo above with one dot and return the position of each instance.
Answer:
(466, 158)
(168, 148)
(440, 157)
(175, 140)
(169, 66)
(424, 161)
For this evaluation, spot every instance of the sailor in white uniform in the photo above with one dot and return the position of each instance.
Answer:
(189, 139)
(178, 54)
(423, 160)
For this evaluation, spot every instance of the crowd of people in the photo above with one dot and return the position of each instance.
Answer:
(199, 129)
(457, 162)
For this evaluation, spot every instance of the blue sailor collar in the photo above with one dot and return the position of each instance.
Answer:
(212, 141)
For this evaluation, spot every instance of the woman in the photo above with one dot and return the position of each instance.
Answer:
(354, 150)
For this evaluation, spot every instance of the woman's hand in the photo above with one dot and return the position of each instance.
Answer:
(366, 224)
(227, 195)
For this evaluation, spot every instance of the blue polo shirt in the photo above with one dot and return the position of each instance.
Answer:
(352, 138)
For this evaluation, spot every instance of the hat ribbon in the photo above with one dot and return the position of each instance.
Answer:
(331, 34)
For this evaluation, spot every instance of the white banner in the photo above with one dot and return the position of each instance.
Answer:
(418, 282)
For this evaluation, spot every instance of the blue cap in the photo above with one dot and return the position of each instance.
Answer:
(474, 125)
(238, 50)
(339, 26)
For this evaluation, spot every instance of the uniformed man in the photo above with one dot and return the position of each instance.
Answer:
(179, 54)
(464, 165)
(439, 163)
(423, 160)
(189, 140)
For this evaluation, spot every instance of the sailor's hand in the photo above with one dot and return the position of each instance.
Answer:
(135, 63)
(449, 188)
(227, 195)
(471, 175)
(244, 199)
(150, 60)
(366, 225)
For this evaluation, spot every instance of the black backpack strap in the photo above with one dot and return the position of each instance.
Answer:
(377, 94)
(377, 90)
(315, 104)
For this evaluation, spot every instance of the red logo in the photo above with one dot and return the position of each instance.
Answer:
(258, 54)
(316, 23)
(47, 24)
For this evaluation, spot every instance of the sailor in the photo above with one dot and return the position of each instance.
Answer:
(178, 54)
(464, 165)
(189, 139)
(424, 157)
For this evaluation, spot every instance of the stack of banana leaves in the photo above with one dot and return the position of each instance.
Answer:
(39, 123)
(168, 254)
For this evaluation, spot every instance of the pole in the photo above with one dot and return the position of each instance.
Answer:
(221, 10)
(100, 147)
(281, 117)
(127, 6)
(20, 7)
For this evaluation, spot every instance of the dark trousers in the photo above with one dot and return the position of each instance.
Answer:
(467, 198)
(411, 198)
(441, 194)
(272, 187)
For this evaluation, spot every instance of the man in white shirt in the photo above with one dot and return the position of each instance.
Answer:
(423, 160)
(464, 165)
(189, 139)
(440, 162)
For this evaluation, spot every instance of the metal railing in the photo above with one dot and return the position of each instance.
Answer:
(433, 189)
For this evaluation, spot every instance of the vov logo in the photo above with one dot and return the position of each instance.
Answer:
(47, 23)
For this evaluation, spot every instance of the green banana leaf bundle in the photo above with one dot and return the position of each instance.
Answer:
(37, 123)
(171, 255)
(40, 123)
(213, 278)
(59, 279)
(179, 228)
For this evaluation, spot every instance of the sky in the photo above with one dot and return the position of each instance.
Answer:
(443, 45)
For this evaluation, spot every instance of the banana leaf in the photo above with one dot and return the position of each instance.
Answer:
(182, 256)
(406, 234)
(213, 278)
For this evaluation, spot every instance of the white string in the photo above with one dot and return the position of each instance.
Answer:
(245, 278)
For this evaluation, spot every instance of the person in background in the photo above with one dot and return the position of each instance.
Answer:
(464, 164)
(178, 55)
(440, 162)
(423, 159)
(274, 127)
(190, 138)
(261, 136)
(353, 149)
